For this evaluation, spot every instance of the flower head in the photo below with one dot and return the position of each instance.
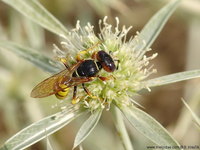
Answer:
(133, 66)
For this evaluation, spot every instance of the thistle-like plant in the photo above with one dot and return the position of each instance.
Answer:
(115, 94)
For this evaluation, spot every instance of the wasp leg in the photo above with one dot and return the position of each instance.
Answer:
(88, 92)
(64, 61)
(106, 78)
(83, 52)
(78, 56)
(74, 100)
(118, 61)
(94, 55)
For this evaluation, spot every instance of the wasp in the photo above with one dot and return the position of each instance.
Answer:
(83, 71)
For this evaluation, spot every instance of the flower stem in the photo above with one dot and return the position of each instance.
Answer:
(120, 126)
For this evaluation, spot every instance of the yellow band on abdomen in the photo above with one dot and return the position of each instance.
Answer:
(62, 94)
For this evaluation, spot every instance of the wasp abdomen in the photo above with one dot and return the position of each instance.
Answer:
(63, 93)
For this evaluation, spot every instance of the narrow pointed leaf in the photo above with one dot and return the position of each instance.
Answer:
(36, 35)
(34, 57)
(151, 30)
(41, 129)
(172, 78)
(196, 119)
(36, 12)
(87, 128)
(49, 146)
(149, 127)
(121, 129)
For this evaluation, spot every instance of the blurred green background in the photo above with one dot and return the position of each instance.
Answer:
(178, 47)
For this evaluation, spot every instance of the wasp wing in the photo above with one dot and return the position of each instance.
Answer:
(50, 85)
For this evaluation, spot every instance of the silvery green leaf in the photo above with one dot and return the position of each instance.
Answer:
(172, 78)
(149, 127)
(196, 119)
(34, 57)
(121, 129)
(49, 146)
(33, 10)
(151, 30)
(41, 129)
(87, 128)
(36, 35)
